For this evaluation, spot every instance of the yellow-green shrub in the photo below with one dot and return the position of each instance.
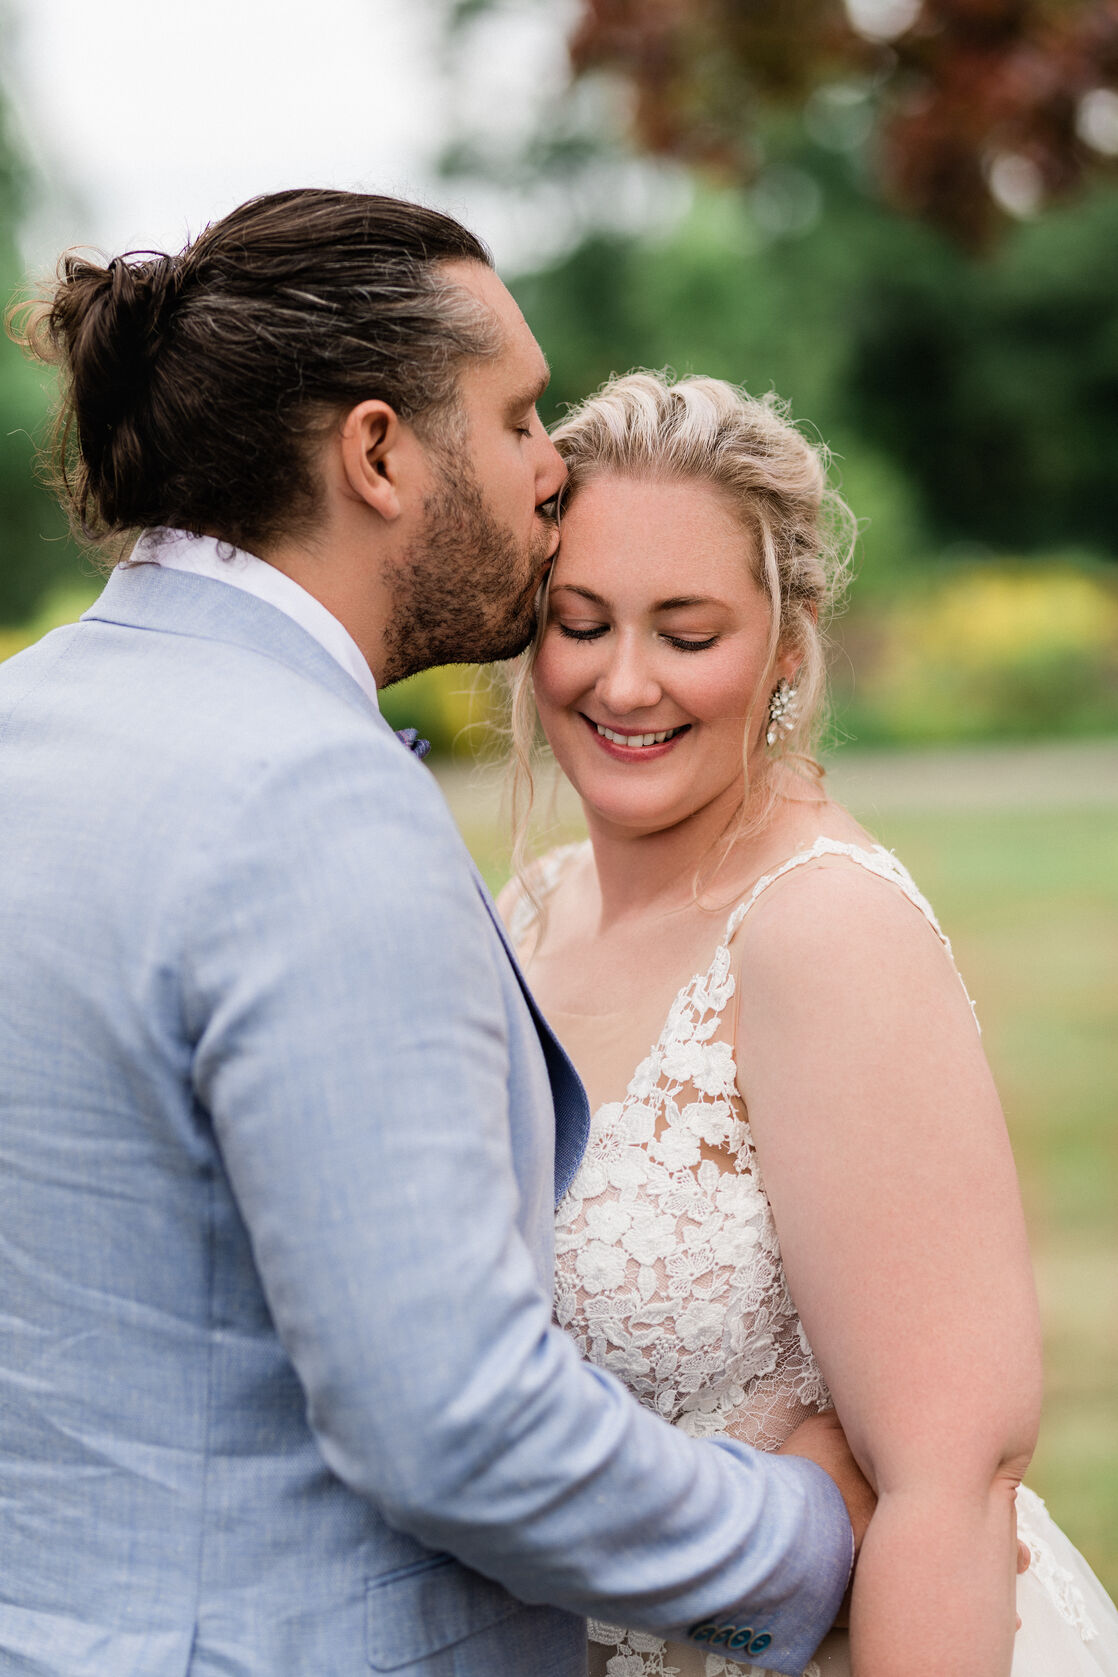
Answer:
(987, 650)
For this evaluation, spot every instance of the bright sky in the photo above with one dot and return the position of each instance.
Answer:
(146, 118)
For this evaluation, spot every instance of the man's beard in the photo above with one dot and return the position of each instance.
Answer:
(464, 593)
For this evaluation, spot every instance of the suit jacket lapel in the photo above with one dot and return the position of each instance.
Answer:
(572, 1109)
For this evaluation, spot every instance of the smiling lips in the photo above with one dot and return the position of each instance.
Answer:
(631, 745)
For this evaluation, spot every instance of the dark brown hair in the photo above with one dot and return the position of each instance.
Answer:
(195, 386)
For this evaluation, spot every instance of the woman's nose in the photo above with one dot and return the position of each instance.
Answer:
(628, 682)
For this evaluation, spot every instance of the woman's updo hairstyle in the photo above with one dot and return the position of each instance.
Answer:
(195, 386)
(652, 427)
(648, 426)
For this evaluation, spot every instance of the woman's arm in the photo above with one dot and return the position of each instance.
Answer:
(887, 1163)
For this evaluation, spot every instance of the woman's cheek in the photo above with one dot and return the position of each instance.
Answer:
(552, 680)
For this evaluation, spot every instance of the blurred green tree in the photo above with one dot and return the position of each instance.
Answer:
(37, 555)
(967, 403)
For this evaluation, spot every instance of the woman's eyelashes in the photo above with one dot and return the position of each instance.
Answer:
(682, 643)
(685, 645)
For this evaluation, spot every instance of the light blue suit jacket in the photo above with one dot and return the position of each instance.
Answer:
(279, 1142)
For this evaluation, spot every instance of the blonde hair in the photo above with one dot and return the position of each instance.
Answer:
(647, 425)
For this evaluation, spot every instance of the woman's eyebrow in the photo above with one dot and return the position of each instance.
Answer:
(676, 603)
(680, 600)
(583, 593)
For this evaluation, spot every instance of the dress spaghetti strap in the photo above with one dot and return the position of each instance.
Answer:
(876, 860)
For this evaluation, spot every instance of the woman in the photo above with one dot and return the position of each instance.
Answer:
(804, 1193)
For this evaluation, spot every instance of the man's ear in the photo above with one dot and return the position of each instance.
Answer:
(371, 440)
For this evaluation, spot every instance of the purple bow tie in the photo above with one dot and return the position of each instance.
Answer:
(411, 739)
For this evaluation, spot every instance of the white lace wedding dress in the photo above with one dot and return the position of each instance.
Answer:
(669, 1274)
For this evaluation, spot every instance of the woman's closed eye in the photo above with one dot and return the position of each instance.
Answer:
(593, 631)
(687, 643)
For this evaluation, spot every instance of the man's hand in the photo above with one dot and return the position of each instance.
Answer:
(821, 1439)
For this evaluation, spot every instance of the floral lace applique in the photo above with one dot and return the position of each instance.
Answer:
(636, 1654)
(668, 1267)
(717, 1666)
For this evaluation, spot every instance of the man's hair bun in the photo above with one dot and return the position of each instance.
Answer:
(104, 326)
(111, 323)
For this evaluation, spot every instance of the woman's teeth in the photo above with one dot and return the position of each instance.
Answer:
(637, 739)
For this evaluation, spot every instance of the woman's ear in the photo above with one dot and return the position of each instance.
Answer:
(798, 636)
(371, 439)
(788, 661)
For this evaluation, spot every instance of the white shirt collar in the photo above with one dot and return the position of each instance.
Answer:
(178, 550)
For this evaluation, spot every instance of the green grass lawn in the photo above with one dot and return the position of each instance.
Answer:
(1030, 901)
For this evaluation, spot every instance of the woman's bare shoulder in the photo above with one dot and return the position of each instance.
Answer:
(848, 911)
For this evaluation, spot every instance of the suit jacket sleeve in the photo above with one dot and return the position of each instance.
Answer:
(343, 995)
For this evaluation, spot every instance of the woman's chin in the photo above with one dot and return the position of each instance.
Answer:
(639, 811)
(631, 811)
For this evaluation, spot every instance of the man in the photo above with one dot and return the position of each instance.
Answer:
(281, 1128)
